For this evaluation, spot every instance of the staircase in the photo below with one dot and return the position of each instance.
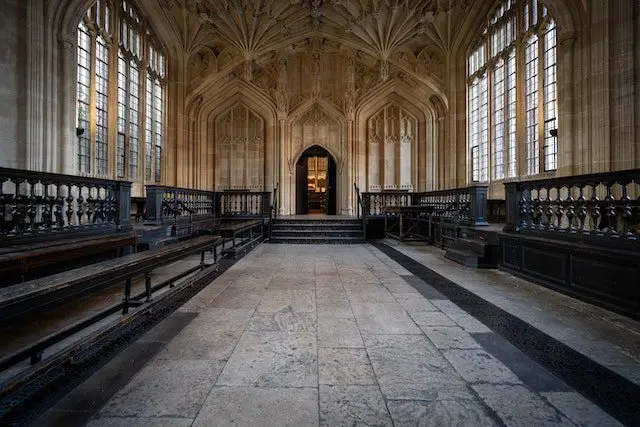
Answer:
(475, 248)
(317, 231)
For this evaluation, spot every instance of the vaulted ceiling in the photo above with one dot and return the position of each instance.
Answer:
(408, 38)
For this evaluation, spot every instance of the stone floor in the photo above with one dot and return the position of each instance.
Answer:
(327, 335)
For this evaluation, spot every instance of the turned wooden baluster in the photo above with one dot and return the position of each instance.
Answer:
(595, 212)
(571, 211)
(559, 208)
(31, 206)
(59, 202)
(537, 210)
(626, 213)
(610, 212)
(582, 210)
(549, 209)
(69, 201)
(15, 210)
(47, 214)
(99, 210)
(80, 205)
(91, 208)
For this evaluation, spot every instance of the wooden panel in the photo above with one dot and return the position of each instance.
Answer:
(545, 263)
(511, 254)
(604, 277)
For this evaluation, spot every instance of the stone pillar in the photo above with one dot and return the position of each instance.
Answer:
(67, 140)
(349, 170)
(566, 105)
(35, 85)
(596, 153)
(284, 186)
(621, 78)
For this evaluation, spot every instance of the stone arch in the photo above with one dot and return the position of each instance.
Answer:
(202, 141)
(317, 114)
(239, 147)
(425, 154)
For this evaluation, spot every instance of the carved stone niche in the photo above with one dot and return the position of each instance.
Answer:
(239, 148)
(391, 142)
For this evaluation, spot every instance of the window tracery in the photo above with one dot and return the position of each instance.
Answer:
(114, 40)
(517, 45)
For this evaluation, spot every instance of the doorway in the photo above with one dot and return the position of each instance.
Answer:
(316, 182)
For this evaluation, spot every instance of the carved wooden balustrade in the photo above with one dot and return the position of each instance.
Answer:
(166, 204)
(244, 203)
(602, 207)
(466, 206)
(40, 204)
(374, 202)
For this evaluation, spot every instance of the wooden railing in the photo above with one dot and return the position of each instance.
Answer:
(602, 207)
(41, 204)
(166, 204)
(244, 203)
(463, 205)
(273, 210)
(360, 210)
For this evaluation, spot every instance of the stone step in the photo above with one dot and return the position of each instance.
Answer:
(318, 240)
(345, 227)
(316, 233)
(476, 246)
(469, 259)
(317, 222)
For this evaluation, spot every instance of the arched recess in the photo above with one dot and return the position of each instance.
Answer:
(201, 141)
(239, 141)
(315, 122)
(571, 17)
(391, 142)
(51, 82)
(424, 147)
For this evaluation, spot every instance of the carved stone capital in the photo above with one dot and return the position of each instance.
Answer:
(66, 42)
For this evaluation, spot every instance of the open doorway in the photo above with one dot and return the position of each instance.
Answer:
(316, 182)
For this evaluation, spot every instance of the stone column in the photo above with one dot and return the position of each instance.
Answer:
(67, 140)
(566, 105)
(284, 185)
(35, 86)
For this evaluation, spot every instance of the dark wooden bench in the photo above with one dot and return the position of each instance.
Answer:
(37, 295)
(247, 230)
(22, 258)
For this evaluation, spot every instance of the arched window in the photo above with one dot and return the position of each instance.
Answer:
(131, 53)
(511, 68)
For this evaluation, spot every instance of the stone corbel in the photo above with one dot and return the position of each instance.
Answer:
(66, 42)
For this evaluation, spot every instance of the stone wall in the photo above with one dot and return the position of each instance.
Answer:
(12, 84)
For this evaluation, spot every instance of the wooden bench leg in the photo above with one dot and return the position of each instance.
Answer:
(147, 285)
(127, 295)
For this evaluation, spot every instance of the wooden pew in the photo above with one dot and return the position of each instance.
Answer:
(37, 295)
(241, 229)
(23, 258)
